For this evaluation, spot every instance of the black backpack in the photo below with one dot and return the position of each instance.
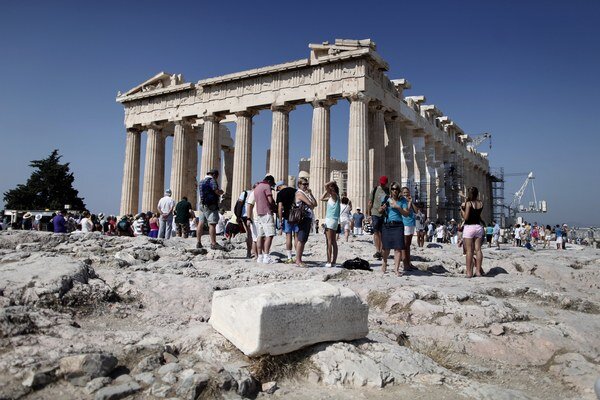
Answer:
(208, 196)
(239, 206)
(357, 263)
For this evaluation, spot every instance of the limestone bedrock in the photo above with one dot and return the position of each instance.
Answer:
(281, 317)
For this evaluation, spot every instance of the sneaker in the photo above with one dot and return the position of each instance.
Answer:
(327, 265)
(377, 255)
(217, 246)
(259, 258)
(267, 259)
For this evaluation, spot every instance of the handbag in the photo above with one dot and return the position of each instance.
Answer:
(297, 213)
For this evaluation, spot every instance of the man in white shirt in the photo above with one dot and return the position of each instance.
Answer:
(165, 218)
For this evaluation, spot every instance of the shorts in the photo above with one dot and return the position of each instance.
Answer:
(288, 227)
(376, 223)
(559, 239)
(265, 225)
(488, 238)
(473, 231)
(209, 214)
(409, 230)
(304, 229)
(331, 223)
(345, 225)
(183, 229)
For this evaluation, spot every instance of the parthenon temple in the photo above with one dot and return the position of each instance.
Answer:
(388, 133)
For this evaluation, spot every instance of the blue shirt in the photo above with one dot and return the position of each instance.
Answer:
(393, 214)
(410, 220)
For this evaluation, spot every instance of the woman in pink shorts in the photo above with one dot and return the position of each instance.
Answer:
(473, 231)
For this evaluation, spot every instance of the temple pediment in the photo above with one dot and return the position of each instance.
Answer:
(157, 82)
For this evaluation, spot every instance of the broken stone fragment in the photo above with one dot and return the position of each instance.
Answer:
(82, 368)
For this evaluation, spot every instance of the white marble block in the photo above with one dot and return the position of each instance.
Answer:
(281, 317)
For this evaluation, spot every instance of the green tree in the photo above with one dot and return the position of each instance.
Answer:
(50, 186)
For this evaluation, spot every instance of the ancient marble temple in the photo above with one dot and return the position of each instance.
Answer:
(388, 133)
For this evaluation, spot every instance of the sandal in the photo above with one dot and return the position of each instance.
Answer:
(301, 265)
(398, 273)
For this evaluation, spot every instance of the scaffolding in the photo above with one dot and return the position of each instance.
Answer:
(453, 184)
(497, 181)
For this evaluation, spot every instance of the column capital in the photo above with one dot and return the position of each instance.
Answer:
(134, 130)
(284, 108)
(391, 116)
(325, 103)
(157, 126)
(418, 132)
(359, 96)
(246, 113)
(213, 118)
(376, 106)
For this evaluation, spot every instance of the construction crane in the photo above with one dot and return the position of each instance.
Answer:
(477, 140)
(534, 207)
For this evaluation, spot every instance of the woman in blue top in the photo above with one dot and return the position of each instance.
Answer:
(409, 225)
(332, 220)
(392, 235)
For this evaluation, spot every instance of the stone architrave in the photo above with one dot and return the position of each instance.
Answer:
(393, 149)
(358, 150)
(376, 143)
(320, 151)
(242, 155)
(407, 165)
(154, 169)
(131, 173)
(279, 158)
(281, 317)
(211, 147)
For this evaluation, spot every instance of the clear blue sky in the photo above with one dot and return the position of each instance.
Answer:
(526, 71)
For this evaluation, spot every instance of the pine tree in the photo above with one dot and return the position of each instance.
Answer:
(49, 187)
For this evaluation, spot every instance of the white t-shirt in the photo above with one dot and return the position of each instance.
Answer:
(86, 225)
(345, 212)
(166, 204)
(439, 232)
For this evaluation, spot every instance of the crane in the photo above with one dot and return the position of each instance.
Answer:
(477, 140)
(534, 207)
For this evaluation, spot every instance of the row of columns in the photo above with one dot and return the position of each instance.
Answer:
(378, 144)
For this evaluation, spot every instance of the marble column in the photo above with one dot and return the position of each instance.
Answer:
(358, 151)
(279, 156)
(376, 143)
(419, 162)
(393, 148)
(131, 173)
(320, 151)
(180, 161)
(211, 147)
(407, 166)
(192, 148)
(227, 179)
(154, 170)
(242, 155)
(430, 183)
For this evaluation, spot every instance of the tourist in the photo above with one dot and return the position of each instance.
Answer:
(535, 233)
(124, 227)
(193, 224)
(430, 231)
(247, 198)
(473, 231)
(165, 209)
(420, 226)
(345, 216)
(220, 227)
(265, 222)
(138, 225)
(517, 233)
(153, 221)
(209, 196)
(86, 223)
(357, 221)
(489, 232)
(183, 210)
(378, 195)
(59, 222)
(332, 221)
(547, 234)
(439, 233)
(306, 200)
(565, 233)
(409, 225)
(27, 223)
(496, 234)
(559, 237)
(393, 229)
(37, 222)
(453, 231)
(285, 199)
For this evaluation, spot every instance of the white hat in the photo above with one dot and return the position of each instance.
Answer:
(38, 217)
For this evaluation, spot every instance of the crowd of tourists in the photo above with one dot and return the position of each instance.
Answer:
(270, 208)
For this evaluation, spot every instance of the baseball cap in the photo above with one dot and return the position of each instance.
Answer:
(383, 180)
(168, 191)
(279, 183)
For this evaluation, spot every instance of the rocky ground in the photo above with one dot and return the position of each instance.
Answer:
(85, 316)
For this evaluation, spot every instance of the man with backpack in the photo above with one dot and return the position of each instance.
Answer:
(209, 196)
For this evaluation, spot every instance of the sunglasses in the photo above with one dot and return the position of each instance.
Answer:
(303, 184)
(395, 189)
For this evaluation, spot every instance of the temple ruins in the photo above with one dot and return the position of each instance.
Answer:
(388, 133)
